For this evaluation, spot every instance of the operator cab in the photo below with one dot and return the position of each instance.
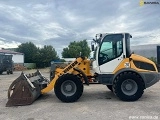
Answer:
(110, 50)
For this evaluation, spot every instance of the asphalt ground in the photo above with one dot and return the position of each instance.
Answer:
(96, 103)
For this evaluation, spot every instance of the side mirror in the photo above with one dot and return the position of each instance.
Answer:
(92, 47)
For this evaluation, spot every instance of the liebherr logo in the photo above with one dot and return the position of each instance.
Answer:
(70, 66)
(142, 2)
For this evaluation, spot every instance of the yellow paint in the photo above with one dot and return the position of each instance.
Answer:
(143, 59)
(135, 58)
(50, 86)
(141, 3)
(121, 65)
(84, 65)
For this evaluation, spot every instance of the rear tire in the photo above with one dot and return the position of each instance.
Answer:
(68, 88)
(110, 87)
(128, 86)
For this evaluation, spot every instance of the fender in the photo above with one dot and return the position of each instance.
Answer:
(127, 70)
(84, 76)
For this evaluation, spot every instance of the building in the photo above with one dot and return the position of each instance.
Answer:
(148, 51)
(18, 58)
(69, 59)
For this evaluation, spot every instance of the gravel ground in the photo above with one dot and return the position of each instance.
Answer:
(97, 102)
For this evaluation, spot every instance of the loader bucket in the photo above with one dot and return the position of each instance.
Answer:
(26, 89)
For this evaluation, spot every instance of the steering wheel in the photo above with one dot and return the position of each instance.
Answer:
(103, 57)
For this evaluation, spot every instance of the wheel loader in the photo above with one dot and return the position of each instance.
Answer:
(126, 74)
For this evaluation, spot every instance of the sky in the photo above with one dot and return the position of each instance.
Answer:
(59, 22)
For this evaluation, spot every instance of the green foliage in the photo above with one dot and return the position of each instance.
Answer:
(48, 53)
(41, 56)
(29, 50)
(74, 49)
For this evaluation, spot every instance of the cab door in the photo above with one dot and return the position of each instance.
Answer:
(111, 53)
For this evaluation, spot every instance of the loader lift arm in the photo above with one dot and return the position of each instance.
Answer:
(73, 68)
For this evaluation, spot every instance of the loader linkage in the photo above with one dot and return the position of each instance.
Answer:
(27, 88)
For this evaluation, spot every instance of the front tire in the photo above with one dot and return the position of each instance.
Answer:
(8, 72)
(128, 86)
(11, 72)
(68, 88)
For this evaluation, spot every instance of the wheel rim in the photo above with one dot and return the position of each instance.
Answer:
(129, 87)
(68, 88)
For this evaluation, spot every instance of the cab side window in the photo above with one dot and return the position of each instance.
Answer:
(110, 49)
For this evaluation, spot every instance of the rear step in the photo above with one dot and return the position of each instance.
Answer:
(26, 89)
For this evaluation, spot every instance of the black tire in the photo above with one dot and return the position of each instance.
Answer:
(73, 93)
(110, 87)
(8, 72)
(11, 72)
(130, 81)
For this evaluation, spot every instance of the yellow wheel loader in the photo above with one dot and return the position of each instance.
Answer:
(124, 73)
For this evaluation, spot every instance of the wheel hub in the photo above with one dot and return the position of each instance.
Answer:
(129, 87)
(68, 88)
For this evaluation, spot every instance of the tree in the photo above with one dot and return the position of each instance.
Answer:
(74, 49)
(29, 50)
(47, 54)
(41, 56)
